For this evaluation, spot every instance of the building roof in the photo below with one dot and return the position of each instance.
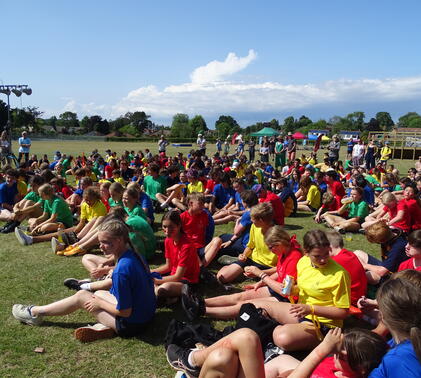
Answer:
(350, 132)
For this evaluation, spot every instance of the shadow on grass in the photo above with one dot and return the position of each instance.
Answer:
(71, 325)
(302, 215)
(292, 227)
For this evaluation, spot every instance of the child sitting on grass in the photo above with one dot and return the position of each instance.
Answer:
(181, 260)
(125, 310)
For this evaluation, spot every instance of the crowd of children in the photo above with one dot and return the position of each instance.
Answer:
(308, 288)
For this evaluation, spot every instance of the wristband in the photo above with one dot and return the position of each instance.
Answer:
(263, 276)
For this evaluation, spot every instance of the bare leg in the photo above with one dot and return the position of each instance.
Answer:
(332, 220)
(90, 262)
(5, 215)
(233, 299)
(169, 289)
(48, 237)
(211, 250)
(222, 362)
(229, 273)
(281, 366)
(292, 337)
(227, 219)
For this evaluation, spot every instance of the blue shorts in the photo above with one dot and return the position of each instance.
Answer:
(234, 249)
(373, 261)
(201, 252)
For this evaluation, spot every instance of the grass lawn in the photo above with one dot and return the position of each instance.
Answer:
(34, 275)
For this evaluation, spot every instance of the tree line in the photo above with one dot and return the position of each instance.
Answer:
(138, 123)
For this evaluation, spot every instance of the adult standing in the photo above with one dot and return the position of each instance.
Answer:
(334, 147)
(370, 153)
(291, 147)
(317, 143)
(279, 153)
(358, 153)
(252, 149)
(162, 145)
(201, 143)
(24, 146)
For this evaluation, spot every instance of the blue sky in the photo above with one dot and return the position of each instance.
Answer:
(255, 60)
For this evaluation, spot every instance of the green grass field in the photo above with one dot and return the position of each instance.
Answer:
(34, 275)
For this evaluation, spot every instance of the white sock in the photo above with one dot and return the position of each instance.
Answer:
(190, 358)
(86, 286)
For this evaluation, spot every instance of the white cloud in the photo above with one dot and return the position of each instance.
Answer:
(210, 93)
(215, 71)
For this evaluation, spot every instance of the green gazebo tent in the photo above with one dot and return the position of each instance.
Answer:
(266, 131)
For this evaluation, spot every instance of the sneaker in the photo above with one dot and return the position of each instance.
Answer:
(339, 229)
(271, 351)
(178, 358)
(23, 314)
(227, 260)
(193, 306)
(22, 237)
(92, 333)
(77, 250)
(361, 231)
(164, 205)
(56, 245)
(74, 284)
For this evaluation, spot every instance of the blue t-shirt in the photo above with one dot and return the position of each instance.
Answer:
(146, 203)
(24, 141)
(222, 195)
(8, 193)
(396, 255)
(237, 197)
(133, 287)
(246, 222)
(210, 228)
(368, 195)
(400, 361)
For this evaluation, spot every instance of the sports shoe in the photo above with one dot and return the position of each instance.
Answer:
(178, 358)
(92, 333)
(22, 237)
(77, 250)
(56, 245)
(207, 276)
(193, 305)
(9, 227)
(227, 260)
(339, 229)
(23, 314)
(74, 284)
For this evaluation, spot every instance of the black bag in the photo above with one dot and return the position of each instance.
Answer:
(258, 320)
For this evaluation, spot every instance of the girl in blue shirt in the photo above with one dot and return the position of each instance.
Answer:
(125, 309)
(400, 308)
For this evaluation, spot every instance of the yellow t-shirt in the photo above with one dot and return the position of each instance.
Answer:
(327, 286)
(22, 187)
(120, 180)
(385, 153)
(90, 212)
(195, 187)
(314, 197)
(258, 174)
(260, 254)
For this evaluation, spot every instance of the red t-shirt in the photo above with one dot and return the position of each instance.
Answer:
(106, 204)
(288, 265)
(408, 264)
(405, 223)
(67, 192)
(278, 207)
(352, 265)
(194, 226)
(108, 171)
(414, 212)
(338, 191)
(210, 185)
(183, 254)
(327, 369)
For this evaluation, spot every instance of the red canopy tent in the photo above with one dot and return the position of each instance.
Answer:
(299, 135)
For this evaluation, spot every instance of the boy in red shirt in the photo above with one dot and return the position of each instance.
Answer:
(335, 187)
(197, 223)
(350, 263)
(412, 203)
(277, 204)
(413, 251)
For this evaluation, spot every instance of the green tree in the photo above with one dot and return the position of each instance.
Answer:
(25, 117)
(95, 123)
(68, 119)
(180, 127)
(385, 121)
(409, 120)
(197, 124)
(226, 125)
(373, 125)
(289, 124)
(139, 120)
(356, 120)
(274, 124)
(340, 123)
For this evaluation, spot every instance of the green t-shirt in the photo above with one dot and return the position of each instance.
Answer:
(137, 210)
(113, 203)
(142, 236)
(58, 206)
(33, 196)
(359, 209)
(65, 164)
(153, 186)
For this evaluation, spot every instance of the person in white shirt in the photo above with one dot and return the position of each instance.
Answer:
(358, 153)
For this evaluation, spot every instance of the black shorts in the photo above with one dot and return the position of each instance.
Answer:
(279, 297)
(250, 262)
(126, 329)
